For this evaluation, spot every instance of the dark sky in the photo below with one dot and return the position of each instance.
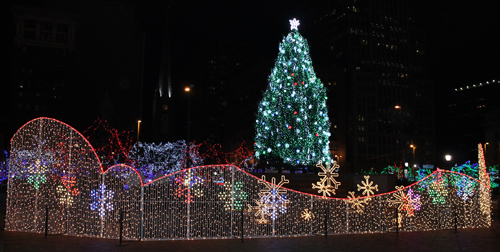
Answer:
(460, 36)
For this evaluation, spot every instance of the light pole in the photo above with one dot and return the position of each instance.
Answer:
(188, 91)
(485, 144)
(413, 160)
(138, 128)
(397, 107)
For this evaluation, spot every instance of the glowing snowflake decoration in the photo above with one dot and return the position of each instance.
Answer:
(234, 197)
(36, 175)
(367, 187)
(64, 195)
(272, 200)
(294, 23)
(69, 182)
(307, 215)
(260, 212)
(102, 200)
(407, 203)
(327, 184)
(189, 185)
(438, 192)
(465, 188)
(356, 203)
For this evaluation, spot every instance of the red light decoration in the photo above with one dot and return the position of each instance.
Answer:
(294, 112)
(292, 74)
(317, 134)
(295, 84)
(290, 127)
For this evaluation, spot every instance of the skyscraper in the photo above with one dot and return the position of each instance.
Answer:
(374, 65)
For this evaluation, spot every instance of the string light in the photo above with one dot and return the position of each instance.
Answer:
(86, 200)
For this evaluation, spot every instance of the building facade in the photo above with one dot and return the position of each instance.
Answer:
(381, 100)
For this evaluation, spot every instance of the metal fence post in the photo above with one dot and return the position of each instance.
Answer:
(46, 219)
(456, 217)
(142, 213)
(121, 225)
(242, 224)
(397, 220)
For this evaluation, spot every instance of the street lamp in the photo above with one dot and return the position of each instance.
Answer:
(398, 107)
(447, 157)
(138, 128)
(485, 144)
(413, 160)
(188, 91)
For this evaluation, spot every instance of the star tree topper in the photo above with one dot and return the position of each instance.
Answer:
(294, 24)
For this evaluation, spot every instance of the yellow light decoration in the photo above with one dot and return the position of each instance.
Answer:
(307, 215)
(325, 184)
(356, 203)
(367, 187)
(64, 196)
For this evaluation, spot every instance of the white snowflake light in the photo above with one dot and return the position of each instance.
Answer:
(272, 201)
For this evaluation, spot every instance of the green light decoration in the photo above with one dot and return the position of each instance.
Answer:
(238, 195)
(438, 192)
(37, 180)
(36, 175)
(473, 170)
(292, 123)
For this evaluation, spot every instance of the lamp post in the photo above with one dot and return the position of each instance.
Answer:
(485, 144)
(397, 107)
(188, 91)
(138, 129)
(413, 160)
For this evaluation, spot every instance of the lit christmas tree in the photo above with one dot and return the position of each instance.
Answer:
(292, 123)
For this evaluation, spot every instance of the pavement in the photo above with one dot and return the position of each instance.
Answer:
(479, 239)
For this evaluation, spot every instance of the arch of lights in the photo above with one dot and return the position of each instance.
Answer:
(54, 167)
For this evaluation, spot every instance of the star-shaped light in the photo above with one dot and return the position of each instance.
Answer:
(293, 24)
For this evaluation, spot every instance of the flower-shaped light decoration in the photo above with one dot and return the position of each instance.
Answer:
(102, 200)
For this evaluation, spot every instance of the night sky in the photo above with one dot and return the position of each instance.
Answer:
(461, 37)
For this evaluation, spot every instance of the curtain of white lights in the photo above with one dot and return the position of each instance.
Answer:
(54, 172)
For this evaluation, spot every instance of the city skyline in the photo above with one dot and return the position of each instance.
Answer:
(459, 50)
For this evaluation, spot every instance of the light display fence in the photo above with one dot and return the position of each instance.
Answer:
(55, 173)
